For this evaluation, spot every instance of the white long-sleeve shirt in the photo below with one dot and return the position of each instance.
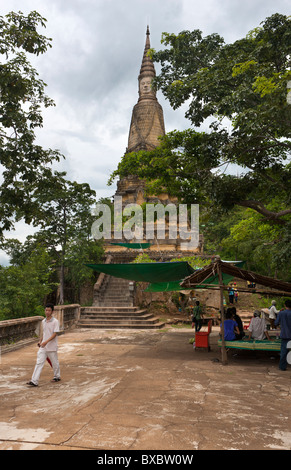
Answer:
(273, 312)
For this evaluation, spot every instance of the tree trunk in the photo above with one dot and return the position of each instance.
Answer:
(62, 284)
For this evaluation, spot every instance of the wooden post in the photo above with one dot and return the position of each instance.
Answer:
(221, 287)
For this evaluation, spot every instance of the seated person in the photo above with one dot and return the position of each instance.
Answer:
(230, 327)
(258, 327)
(237, 318)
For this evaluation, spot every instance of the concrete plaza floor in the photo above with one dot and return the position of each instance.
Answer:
(144, 390)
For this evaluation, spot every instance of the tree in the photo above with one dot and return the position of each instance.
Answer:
(64, 214)
(65, 220)
(244, 235)
(25, 164)
(241, 87)
(29, 188)
(82, 251)
(23, 287)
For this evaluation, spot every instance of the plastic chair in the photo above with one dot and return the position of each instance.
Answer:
(246, 327)
(202, 337)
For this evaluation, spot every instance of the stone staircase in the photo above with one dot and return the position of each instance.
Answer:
(117, 317)
(113, 308)
(114, 292)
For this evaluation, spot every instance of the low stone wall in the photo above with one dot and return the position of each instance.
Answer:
(19, 332)
(67, 315)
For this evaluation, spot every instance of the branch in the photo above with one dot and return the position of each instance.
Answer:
(261, 209)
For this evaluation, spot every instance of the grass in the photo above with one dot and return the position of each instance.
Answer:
(184, 325)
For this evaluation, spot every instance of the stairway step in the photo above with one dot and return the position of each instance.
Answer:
(110, 309)
(116, 317)
(119, 320)
(123, 325)
(112, 303)
(114, 292)
(116, 298)
(117, 292)
(113, 310)
(109, 324)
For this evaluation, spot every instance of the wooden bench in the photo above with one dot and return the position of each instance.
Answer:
(253, 345)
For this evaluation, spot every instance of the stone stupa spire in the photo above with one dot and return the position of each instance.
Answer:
(147, 73)
(147, 122)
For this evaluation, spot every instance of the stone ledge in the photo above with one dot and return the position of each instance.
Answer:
(19, 332)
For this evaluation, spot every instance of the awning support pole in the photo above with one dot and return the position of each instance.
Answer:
(221, 287)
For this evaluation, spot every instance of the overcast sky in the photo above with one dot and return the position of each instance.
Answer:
(91, 71)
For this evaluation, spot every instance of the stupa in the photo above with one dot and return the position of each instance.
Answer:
(147, 125)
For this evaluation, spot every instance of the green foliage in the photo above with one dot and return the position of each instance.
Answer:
(143, 258)
(244, 235)
(65, 217)
(243, 83)
(30, 189)
(181, 165)
(23, 288)
(217, 78)
(194, 261)
(79, 253)
(25, 164)
(66, 220)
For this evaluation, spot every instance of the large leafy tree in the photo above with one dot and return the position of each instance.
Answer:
(241, 89)
(24, 164)
(245, 235)
(65, 218)
(29, 188)
(24, 286)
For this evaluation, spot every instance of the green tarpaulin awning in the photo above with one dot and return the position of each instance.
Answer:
(165, 286)
(146, 272)
(135, 246)
(176, 285)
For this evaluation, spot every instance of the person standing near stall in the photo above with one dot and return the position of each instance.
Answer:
(284, 320)
(230, 294)
(273, 313)
(197, 317)
(235, 292)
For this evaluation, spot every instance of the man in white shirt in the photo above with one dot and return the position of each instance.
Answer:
(48, 347)
(273, 314)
